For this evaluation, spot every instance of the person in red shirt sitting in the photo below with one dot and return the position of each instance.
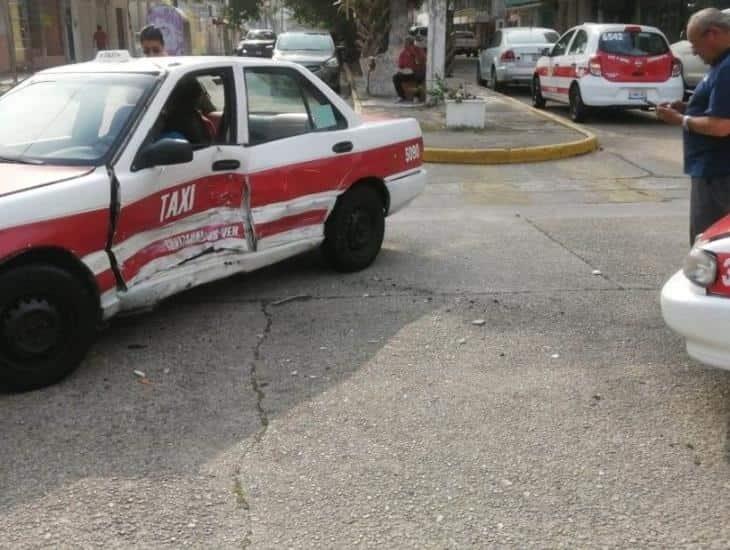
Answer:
(411, 67)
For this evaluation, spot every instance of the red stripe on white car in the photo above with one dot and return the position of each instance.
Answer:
(288, 223)
(201, 237)
(721, 286)
(181, 201)
(80, 234)
(329, 174)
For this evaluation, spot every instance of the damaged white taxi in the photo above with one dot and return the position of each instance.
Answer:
(124, 181)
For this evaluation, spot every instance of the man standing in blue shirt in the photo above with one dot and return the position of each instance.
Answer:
(706, 122)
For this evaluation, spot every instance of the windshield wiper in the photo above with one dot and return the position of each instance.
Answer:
(21, 160)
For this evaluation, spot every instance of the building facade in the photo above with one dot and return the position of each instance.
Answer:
(37, 34)
(669, 15)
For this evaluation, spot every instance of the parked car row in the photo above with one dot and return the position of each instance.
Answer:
(312, 49)
(591, 66)
(693, 68)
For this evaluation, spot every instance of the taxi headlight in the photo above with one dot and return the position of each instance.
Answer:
(700, 267)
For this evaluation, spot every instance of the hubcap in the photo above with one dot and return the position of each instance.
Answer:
(32, 327)
(359, 230)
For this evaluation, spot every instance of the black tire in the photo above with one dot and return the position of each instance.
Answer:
(480, 78)
(538, 101)
(493, 83)
(353, 234)
(47, 324)
(578, 109)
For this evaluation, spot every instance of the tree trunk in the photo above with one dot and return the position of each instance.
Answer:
(381, 79)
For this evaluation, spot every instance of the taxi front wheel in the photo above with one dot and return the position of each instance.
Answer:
(353, 234)
(47, 324)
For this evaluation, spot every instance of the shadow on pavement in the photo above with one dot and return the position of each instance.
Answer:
(220, 361)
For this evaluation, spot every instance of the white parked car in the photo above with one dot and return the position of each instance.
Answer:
(512, 55)
(116, 192)
(608, 65)
(696, 300)
(693, 68)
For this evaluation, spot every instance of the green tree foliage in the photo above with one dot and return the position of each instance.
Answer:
(243, 10)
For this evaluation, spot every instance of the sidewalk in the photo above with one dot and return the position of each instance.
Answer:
(514, 132)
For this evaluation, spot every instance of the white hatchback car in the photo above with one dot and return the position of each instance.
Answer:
(608, 65)
(126, 181)
(696, 300)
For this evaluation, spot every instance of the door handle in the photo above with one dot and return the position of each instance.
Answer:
(226, 165)
(343, 147)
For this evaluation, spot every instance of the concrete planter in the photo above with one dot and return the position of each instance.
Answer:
(469, 113)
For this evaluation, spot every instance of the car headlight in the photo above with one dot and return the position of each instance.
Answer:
(700, 267)
(244, 50)
(332, 63)
(270, 47)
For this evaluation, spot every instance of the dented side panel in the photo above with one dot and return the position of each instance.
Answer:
(173, 215)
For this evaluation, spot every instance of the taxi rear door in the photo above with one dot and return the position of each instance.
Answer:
(299, 150)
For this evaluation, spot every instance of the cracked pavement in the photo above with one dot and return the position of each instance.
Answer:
(299, 408)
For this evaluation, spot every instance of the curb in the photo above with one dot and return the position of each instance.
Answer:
(539, 153)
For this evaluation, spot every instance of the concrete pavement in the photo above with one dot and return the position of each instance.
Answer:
(372, 413)
(514, 132)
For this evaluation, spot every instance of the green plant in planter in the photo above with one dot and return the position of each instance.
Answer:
(441, 92)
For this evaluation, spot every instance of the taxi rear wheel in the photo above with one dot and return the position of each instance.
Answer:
(47, 324)
(538, 101)
(578, 109)
(354, 231)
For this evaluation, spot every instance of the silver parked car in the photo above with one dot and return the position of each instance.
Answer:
(693, 68)
(512, 55)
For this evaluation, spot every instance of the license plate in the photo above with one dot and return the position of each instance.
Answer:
(637, 95)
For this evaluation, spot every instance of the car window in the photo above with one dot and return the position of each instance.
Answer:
(561, 46)
(580, 43)
(305, 42)
(532, 37)
(282, 103)
(632, 43)
(260, 35)
(200, 110)
(65, 119)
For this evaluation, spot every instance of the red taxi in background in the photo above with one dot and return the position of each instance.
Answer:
(608, 65)
(116, 192)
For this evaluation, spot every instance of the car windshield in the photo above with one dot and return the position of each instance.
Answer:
(306, 42)
(532, 37)
(260, 35)
(68, 119)
(633, 43)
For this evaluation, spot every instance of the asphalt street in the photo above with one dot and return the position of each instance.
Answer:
(370, 411)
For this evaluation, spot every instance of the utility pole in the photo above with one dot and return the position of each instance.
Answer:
(7, 16)
(436, 40)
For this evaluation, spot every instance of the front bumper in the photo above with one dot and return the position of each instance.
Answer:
(599, 92)
(704, 321)
(403, 188)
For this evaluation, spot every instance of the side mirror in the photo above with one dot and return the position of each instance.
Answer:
(165, 152)
(546, 52)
